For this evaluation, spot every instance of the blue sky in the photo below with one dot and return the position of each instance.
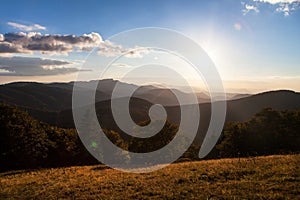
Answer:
(255, 44)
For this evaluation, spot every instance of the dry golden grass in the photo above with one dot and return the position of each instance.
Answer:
(271, 177)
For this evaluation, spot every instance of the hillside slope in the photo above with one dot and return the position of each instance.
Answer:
(243, 109)
(272, 177)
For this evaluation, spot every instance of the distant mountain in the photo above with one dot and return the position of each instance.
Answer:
(36, 95)
(56, 97)
(52, 102)
(242, 109)
(237, 96)
(52, 96)
(169, 97)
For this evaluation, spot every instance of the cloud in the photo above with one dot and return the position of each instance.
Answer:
(31, 42)
(28, 66)
(23, 27)
(284, 9)
(122, 65)
(249, 8)
(277, 1)
(281, 6)
(36, 42)
(137, 52)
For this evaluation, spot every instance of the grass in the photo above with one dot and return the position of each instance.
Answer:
(270, 177)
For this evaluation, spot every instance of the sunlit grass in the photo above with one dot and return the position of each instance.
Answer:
(271, 177)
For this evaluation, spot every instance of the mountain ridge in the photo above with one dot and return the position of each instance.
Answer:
(52, 102)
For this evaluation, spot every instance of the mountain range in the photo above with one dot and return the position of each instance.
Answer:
(52, 102)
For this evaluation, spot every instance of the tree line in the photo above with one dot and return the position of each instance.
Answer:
(29, 143)
(268, 132)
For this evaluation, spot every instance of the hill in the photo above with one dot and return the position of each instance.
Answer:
(271, 177)
(56, 97)
(52, 102)
(244, 108)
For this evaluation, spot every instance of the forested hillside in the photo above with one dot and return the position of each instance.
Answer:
(29, 143)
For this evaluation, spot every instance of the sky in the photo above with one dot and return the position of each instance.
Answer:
(254, 44)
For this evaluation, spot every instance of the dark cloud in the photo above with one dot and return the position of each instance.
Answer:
(27, 66)
(62, 44)
(30, 42)
(48, 47)
(6, 47)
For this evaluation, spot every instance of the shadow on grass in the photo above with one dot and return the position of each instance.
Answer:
(9, 173)
(100, 167)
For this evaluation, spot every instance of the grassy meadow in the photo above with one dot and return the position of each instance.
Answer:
(269, 177)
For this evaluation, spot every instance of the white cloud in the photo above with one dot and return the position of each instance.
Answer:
(137, 52)
(122, 65)
(249, 8)
(278, 1)
(23, 27)
(284, 9)
(1, 37)
(281, 6)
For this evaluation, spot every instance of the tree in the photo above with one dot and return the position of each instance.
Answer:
(24, 142)
(268, 132)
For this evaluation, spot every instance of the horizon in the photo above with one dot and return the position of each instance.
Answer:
(180, 88)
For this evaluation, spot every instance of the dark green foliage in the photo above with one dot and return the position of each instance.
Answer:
(169, 132)
(28, 143)
(161, 139)
(23, 140)
(268, 132)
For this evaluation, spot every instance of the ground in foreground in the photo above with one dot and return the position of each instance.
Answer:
(271, 177)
